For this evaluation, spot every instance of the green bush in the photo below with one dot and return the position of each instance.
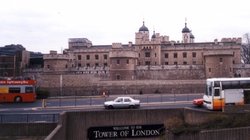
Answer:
(42, 93)
(219, 121)
(177, 126)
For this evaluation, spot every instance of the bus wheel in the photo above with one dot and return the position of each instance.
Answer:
(18, 99)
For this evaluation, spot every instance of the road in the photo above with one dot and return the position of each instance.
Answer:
(80, 101)
(33, 112)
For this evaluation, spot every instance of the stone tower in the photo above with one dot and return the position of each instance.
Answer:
(123, 61)
(187, 36)
(142, 35)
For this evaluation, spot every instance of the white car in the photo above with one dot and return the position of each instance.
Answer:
(122, 102)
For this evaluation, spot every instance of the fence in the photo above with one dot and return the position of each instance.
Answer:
(62, 101)
(29, 118)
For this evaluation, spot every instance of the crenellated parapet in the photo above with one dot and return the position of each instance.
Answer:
(236, 40)
(122, 53)
(56, 56)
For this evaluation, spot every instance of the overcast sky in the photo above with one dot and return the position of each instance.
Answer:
(44, 25)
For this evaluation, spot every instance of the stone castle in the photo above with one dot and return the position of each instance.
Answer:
(154, 58)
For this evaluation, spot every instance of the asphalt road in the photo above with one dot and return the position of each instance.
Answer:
(38, 112)
(60, 103)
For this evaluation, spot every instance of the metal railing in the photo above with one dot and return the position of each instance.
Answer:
(74, 101)
(29, 118)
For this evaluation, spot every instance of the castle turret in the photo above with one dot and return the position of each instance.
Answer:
(122, 62)
(143, 35)
(187, 36)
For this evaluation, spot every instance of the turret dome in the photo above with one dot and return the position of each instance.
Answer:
(185, 29)
(153, 36)
(191, 36)
(143, 28)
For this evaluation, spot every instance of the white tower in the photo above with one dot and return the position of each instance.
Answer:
(142, 36)
(186, 34)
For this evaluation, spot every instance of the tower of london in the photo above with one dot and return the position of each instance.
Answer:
(151, 60)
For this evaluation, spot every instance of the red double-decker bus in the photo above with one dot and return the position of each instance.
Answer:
(17, 91)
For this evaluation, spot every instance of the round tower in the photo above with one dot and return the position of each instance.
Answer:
(122, 63)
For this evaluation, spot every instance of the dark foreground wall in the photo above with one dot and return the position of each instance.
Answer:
(26, 130)
(75, 125)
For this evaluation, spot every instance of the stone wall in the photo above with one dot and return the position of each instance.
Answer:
(78, 123)
(129, 87)
(242, 69)
(165, 79)
(175, 72)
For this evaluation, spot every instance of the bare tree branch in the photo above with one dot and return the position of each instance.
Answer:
(245, 49)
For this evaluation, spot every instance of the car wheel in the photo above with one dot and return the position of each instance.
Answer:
(110, 107)
(132, 106)
(18, 99)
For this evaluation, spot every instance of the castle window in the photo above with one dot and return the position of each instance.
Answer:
(166, 63)
(105, 56)
(88, 65)
(175, 55)
(166, 55)
(118, 77)
(175, 63)
(184, 55)
(118, 61)
(79, 57)
(155, 54)
(184, 63)
(48, 66)
(127, 61)
(147, 63)
(87, 57)
(96, 57)
(194, 54)
(221, 60)
(209, 69)
(105, 64)
(147, 54)
(79, 65)
(139, 54)
(233, 62)
(96, 64)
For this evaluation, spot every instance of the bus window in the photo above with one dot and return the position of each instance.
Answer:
(235, 84)
(245, 84)
(206, 90)
(216, 83)
(216, 92)
(14, 90)
(209, 90)
(226, 85)
(28, 89)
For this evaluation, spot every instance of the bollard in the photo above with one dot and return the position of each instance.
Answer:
(104, 94)
(44, 103)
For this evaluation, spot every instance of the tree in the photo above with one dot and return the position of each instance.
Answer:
(245, 49)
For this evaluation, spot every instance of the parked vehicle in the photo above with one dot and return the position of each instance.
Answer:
(226, 91)
(17, 91)
(122, 102)
(198, 102)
